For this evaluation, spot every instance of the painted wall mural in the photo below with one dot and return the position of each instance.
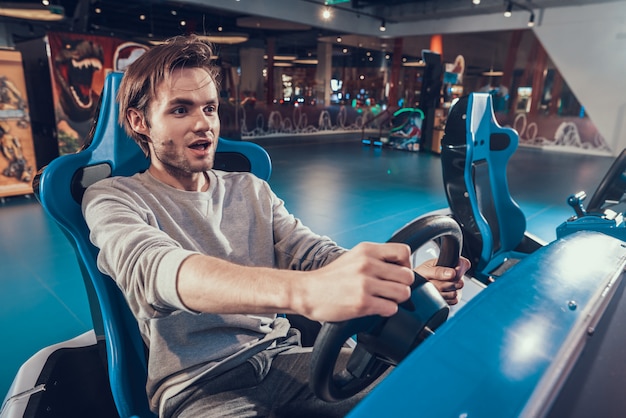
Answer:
(568, 133)
(301, 120)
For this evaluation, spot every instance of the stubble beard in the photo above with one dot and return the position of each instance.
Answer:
(179, 167)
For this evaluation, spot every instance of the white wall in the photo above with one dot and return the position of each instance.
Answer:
(588, 45)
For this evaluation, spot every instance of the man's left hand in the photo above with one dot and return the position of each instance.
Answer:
(447, 280)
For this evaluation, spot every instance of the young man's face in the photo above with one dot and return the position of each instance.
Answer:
(183, 124)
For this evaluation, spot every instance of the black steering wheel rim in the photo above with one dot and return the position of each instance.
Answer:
(365, 367)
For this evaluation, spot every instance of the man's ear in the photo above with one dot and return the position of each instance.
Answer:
(137, 121)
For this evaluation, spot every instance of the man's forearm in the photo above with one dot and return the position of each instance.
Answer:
(209, 284)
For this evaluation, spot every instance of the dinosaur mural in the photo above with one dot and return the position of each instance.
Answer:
(78, 66)
(74, 68)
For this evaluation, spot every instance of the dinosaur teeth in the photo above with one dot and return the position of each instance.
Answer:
(87, 63)
(85, 103)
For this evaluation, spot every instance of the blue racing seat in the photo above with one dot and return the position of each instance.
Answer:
(60, 187)
(474, 157)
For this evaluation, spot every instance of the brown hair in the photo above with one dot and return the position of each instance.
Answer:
(142, 77)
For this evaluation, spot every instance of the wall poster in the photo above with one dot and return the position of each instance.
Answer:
(79, 64)
(17, 156)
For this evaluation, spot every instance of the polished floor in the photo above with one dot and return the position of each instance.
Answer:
(334, 184)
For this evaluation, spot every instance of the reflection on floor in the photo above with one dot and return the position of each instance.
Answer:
(336, 186)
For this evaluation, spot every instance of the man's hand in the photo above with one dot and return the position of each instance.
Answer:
(371, 279)
(448, 281)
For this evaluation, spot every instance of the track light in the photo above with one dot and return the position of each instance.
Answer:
(476, 2)
(382, 26)
(509, 8)
(531, 20)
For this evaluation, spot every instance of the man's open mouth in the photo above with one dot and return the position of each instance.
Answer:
(200, 145)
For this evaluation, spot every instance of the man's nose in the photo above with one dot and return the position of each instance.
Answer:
(204, 121)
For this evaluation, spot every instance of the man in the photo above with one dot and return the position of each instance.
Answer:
(206, 258)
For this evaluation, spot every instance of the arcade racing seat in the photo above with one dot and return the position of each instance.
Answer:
(406, 133)
(474, 156)
(60, 187)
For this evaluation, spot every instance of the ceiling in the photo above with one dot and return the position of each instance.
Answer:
(296, 29)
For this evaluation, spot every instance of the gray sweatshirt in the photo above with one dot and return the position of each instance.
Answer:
(146, 229)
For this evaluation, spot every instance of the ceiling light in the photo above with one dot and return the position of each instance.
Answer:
(531, 20)
(309, 61)
(284, 57)
(492, 73)
(382, 27)
(509, 8)
(326, 13)
(226, 38)
(32, 11)
(222, 38)
(419, 63)
(476, 2)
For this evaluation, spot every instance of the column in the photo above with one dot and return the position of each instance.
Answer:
(396, 66)
(252, 63)
(323, 73)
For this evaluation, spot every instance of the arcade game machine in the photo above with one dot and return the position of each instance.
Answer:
(406, 132)
(430, 95)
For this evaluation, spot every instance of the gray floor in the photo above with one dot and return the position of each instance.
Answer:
(336, 186)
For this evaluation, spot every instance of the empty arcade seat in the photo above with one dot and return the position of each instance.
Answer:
(474, 157)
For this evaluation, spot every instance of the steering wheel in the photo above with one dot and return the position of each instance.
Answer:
(383, 342)
(612, 186)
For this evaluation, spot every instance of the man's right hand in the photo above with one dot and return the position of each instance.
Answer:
(371, 279)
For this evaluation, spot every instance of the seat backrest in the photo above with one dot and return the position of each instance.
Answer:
(474, 157)
(407, 117)
(60, 187)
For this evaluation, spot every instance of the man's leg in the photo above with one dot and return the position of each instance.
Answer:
(292, 370)
(284, 392)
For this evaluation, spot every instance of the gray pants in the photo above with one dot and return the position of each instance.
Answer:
(241, 392)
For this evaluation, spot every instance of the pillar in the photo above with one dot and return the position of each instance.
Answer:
(271, 51)
(396, 67)
(323, 73)
(252, 62)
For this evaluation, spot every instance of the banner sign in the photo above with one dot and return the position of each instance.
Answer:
(17, 156)
(79, 64)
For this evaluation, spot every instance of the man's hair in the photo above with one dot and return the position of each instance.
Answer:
(142, 78)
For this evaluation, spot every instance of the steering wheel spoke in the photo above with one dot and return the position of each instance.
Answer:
(363, 364)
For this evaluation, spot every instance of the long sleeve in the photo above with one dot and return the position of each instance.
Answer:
(145, 230)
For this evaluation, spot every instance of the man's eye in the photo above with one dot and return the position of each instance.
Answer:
(179, 111)
(210, 109)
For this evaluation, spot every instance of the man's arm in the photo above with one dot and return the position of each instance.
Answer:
(370, 279)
